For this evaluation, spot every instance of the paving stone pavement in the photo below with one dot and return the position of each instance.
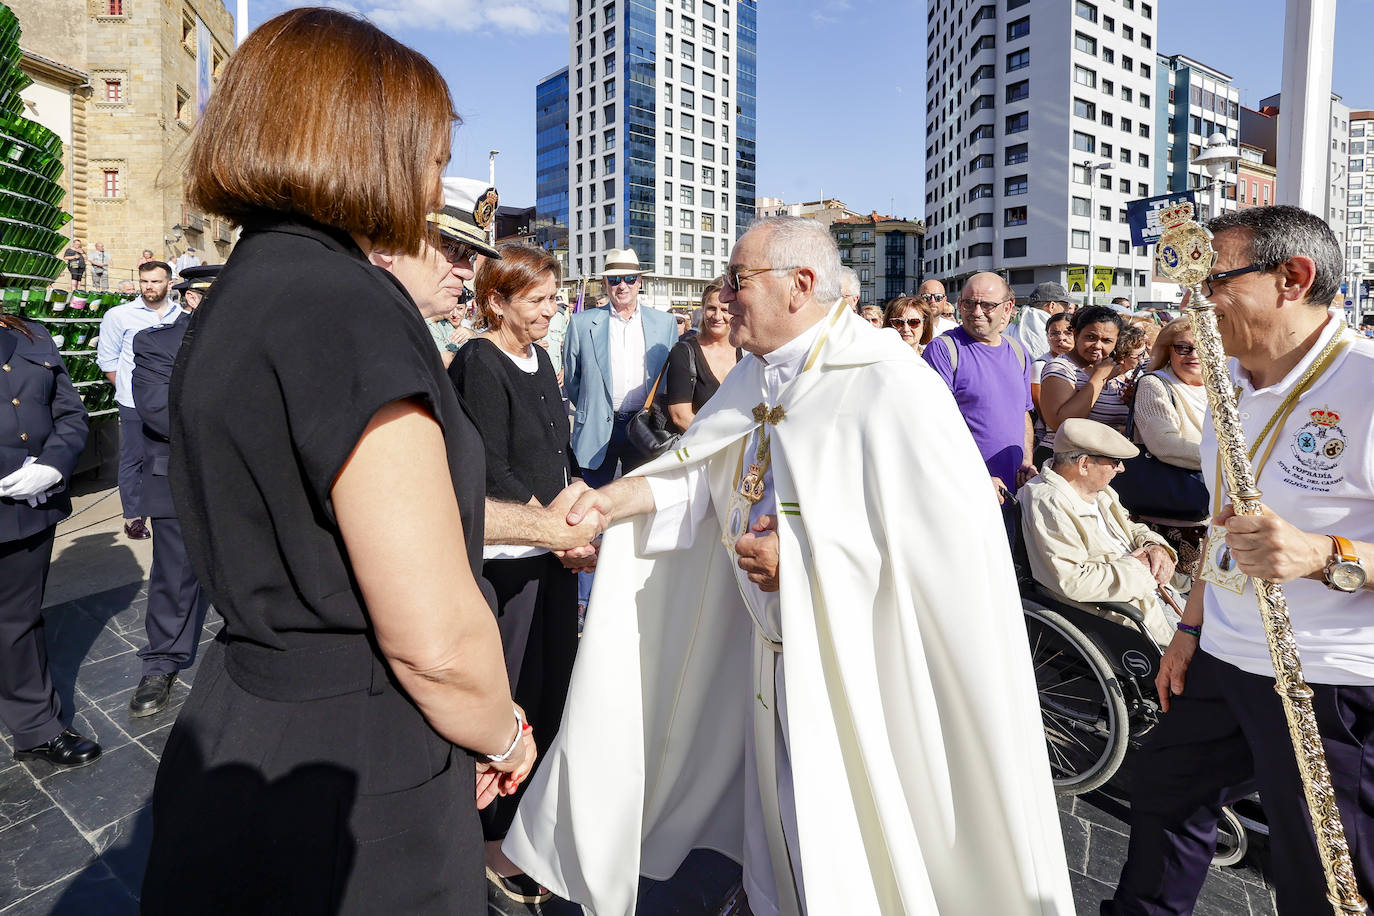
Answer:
(76, 841)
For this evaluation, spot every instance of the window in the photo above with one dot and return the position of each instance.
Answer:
(1104, 213)
(706, 220)
(1016, 153)
(114, 90)
(1127, 63)
(114, 8)
(1085, 10)
(1126, 93)
(1144, 100)
(1084, 77)
(1146, 10)
(986, 43)
(866, 254)
(1081, 206)
(1017, 123)
(1014, 247)
(688, 75)
(688, 266)
(1016, 184)
(981, 162)
(1078, 238)
(686, 146)
(684, 243)
(1104, 245)
(1142, 189)
(1108, 56)
(980, 191)
(1017, 60)
(1085, 109)
(1014, 216)
(982, 103)
(684, 171)
(985, 72)
(1018, 91)
(1125, 155)
(1123, 246)
(1080, 175)
(111, 179)
(1107, 150)
(1109, 23)
(1142, 160)
(685, 219)
(982, 250)
(686, 195)
(1082, 142)
(981, 132)
(1144, 129)
(1108, 86)
(1106, 119)
(1085, 43)
(1019, 28)
(1128, 33)
(183, 106)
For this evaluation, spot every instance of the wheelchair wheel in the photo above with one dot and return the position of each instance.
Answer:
(1232, 840)
(1081, 703)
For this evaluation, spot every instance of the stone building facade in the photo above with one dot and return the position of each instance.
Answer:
(149, 65)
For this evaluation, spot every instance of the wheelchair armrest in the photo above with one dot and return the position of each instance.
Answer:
(1129, 611)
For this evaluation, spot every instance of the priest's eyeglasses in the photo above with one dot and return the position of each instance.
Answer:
(1226, 275)
(734, 274)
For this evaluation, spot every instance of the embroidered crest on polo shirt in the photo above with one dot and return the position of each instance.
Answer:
(1316, 449)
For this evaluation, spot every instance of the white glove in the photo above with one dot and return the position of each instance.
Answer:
(31, 483)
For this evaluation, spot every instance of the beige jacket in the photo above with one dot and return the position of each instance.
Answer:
(1071, 556)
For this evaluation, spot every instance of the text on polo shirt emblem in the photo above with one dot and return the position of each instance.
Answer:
(1316, 448)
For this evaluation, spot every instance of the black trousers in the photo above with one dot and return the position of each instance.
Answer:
(537, 611)
(176, 603)
(29, 706)
(130, 461)
(1223, 738)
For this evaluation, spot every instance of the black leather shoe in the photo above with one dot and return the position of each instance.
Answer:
(151, 695)
(136, 529)
(66, 750)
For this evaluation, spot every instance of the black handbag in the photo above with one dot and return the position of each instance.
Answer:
(1154, 488)
(649, 430)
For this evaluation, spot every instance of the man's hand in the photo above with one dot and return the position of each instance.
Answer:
(999, 488)
(565, 533)
(1025, 473)
(758, 553)
(1173, 667)
(579, 558)
(1157, 559)
(1267, 547)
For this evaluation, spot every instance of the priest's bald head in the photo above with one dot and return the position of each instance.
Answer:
(783, 277)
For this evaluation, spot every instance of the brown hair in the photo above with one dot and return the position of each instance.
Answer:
(321, 114)
(928, 312)
(518, 268)
(1159, 353)
(150, 266)
(15, 323)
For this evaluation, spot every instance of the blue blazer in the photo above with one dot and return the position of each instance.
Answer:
(41, 417)
(587, 374)
(155, 352)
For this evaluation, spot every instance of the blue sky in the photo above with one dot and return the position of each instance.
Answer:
(841, 82)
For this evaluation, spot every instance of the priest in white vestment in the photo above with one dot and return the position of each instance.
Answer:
(805, 648)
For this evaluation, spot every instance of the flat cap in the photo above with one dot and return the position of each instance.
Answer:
(1080, 435)
(1050, 291)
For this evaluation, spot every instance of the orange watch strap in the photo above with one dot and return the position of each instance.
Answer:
(1344, 549)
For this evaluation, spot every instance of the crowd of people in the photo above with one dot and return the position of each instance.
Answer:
(526, 599)
(92, 270)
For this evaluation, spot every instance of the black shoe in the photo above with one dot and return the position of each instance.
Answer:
(151, 695)
(66, 750)
(136, 529)
(520, 888)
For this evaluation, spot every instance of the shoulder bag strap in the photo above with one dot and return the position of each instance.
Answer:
(953, 352)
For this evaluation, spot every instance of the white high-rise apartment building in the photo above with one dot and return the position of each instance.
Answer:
(1040, 119)
(661, 136)
(1359, 244)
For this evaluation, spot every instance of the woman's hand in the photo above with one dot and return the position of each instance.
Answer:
(1106, 368)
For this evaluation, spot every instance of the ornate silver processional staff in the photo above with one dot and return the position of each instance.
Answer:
(1186, 256)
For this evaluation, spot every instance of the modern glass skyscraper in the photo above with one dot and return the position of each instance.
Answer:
(551, 165)
(660, 144)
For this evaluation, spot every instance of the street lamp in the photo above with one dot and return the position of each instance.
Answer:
(1216, 157)
(491, 180)
(1089, 168)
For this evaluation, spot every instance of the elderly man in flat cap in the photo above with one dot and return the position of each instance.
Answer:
(1081, 541)
(1046, 301)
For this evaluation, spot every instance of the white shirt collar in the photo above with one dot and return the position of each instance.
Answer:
(794, 351)
(634, 316)
(1334, 325)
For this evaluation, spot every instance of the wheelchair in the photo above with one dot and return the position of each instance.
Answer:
(1095, 676)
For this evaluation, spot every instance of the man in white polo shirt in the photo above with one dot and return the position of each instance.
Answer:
(1224, 733)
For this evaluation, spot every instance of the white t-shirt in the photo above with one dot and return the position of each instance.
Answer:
(1319, 477)
(629, 390)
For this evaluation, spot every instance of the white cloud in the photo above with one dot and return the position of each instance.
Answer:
(830, 11)
(525, 17)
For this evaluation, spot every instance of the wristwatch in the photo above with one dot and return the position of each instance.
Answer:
(1344, 572)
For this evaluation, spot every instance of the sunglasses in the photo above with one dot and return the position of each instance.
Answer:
(905, 322)
(455, 252)
(628, 279)
(933, 297)
(1183, 349)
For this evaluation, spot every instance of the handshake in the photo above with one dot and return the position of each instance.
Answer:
(575, 520)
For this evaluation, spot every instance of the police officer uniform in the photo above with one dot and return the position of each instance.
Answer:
(42, 433)
(176, 603)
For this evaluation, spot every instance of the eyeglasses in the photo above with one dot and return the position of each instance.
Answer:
(454, 252)
(973, 306)
(905, 322)
(947, 313)
(1226, 275)
(1183, 349)
(933, 297)
(629, 279)
(734, 273)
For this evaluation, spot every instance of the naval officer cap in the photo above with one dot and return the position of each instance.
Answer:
(467, 214)
(1080, 435)
(198, 278)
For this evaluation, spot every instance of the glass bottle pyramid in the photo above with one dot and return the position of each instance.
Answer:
(30, 165)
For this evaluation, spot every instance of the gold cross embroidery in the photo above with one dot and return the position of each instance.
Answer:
(762, 414)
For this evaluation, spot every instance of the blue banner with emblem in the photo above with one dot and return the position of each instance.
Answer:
(1143, 215)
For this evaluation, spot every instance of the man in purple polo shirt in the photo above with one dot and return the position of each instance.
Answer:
(989, 375)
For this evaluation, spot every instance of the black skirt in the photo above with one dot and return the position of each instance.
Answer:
(277, 794)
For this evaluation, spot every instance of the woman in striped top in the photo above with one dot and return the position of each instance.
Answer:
(1086, 381)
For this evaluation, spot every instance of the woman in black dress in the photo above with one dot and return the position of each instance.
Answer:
(509, 386)
(330, 487)
(42, 433)
(699, 363)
